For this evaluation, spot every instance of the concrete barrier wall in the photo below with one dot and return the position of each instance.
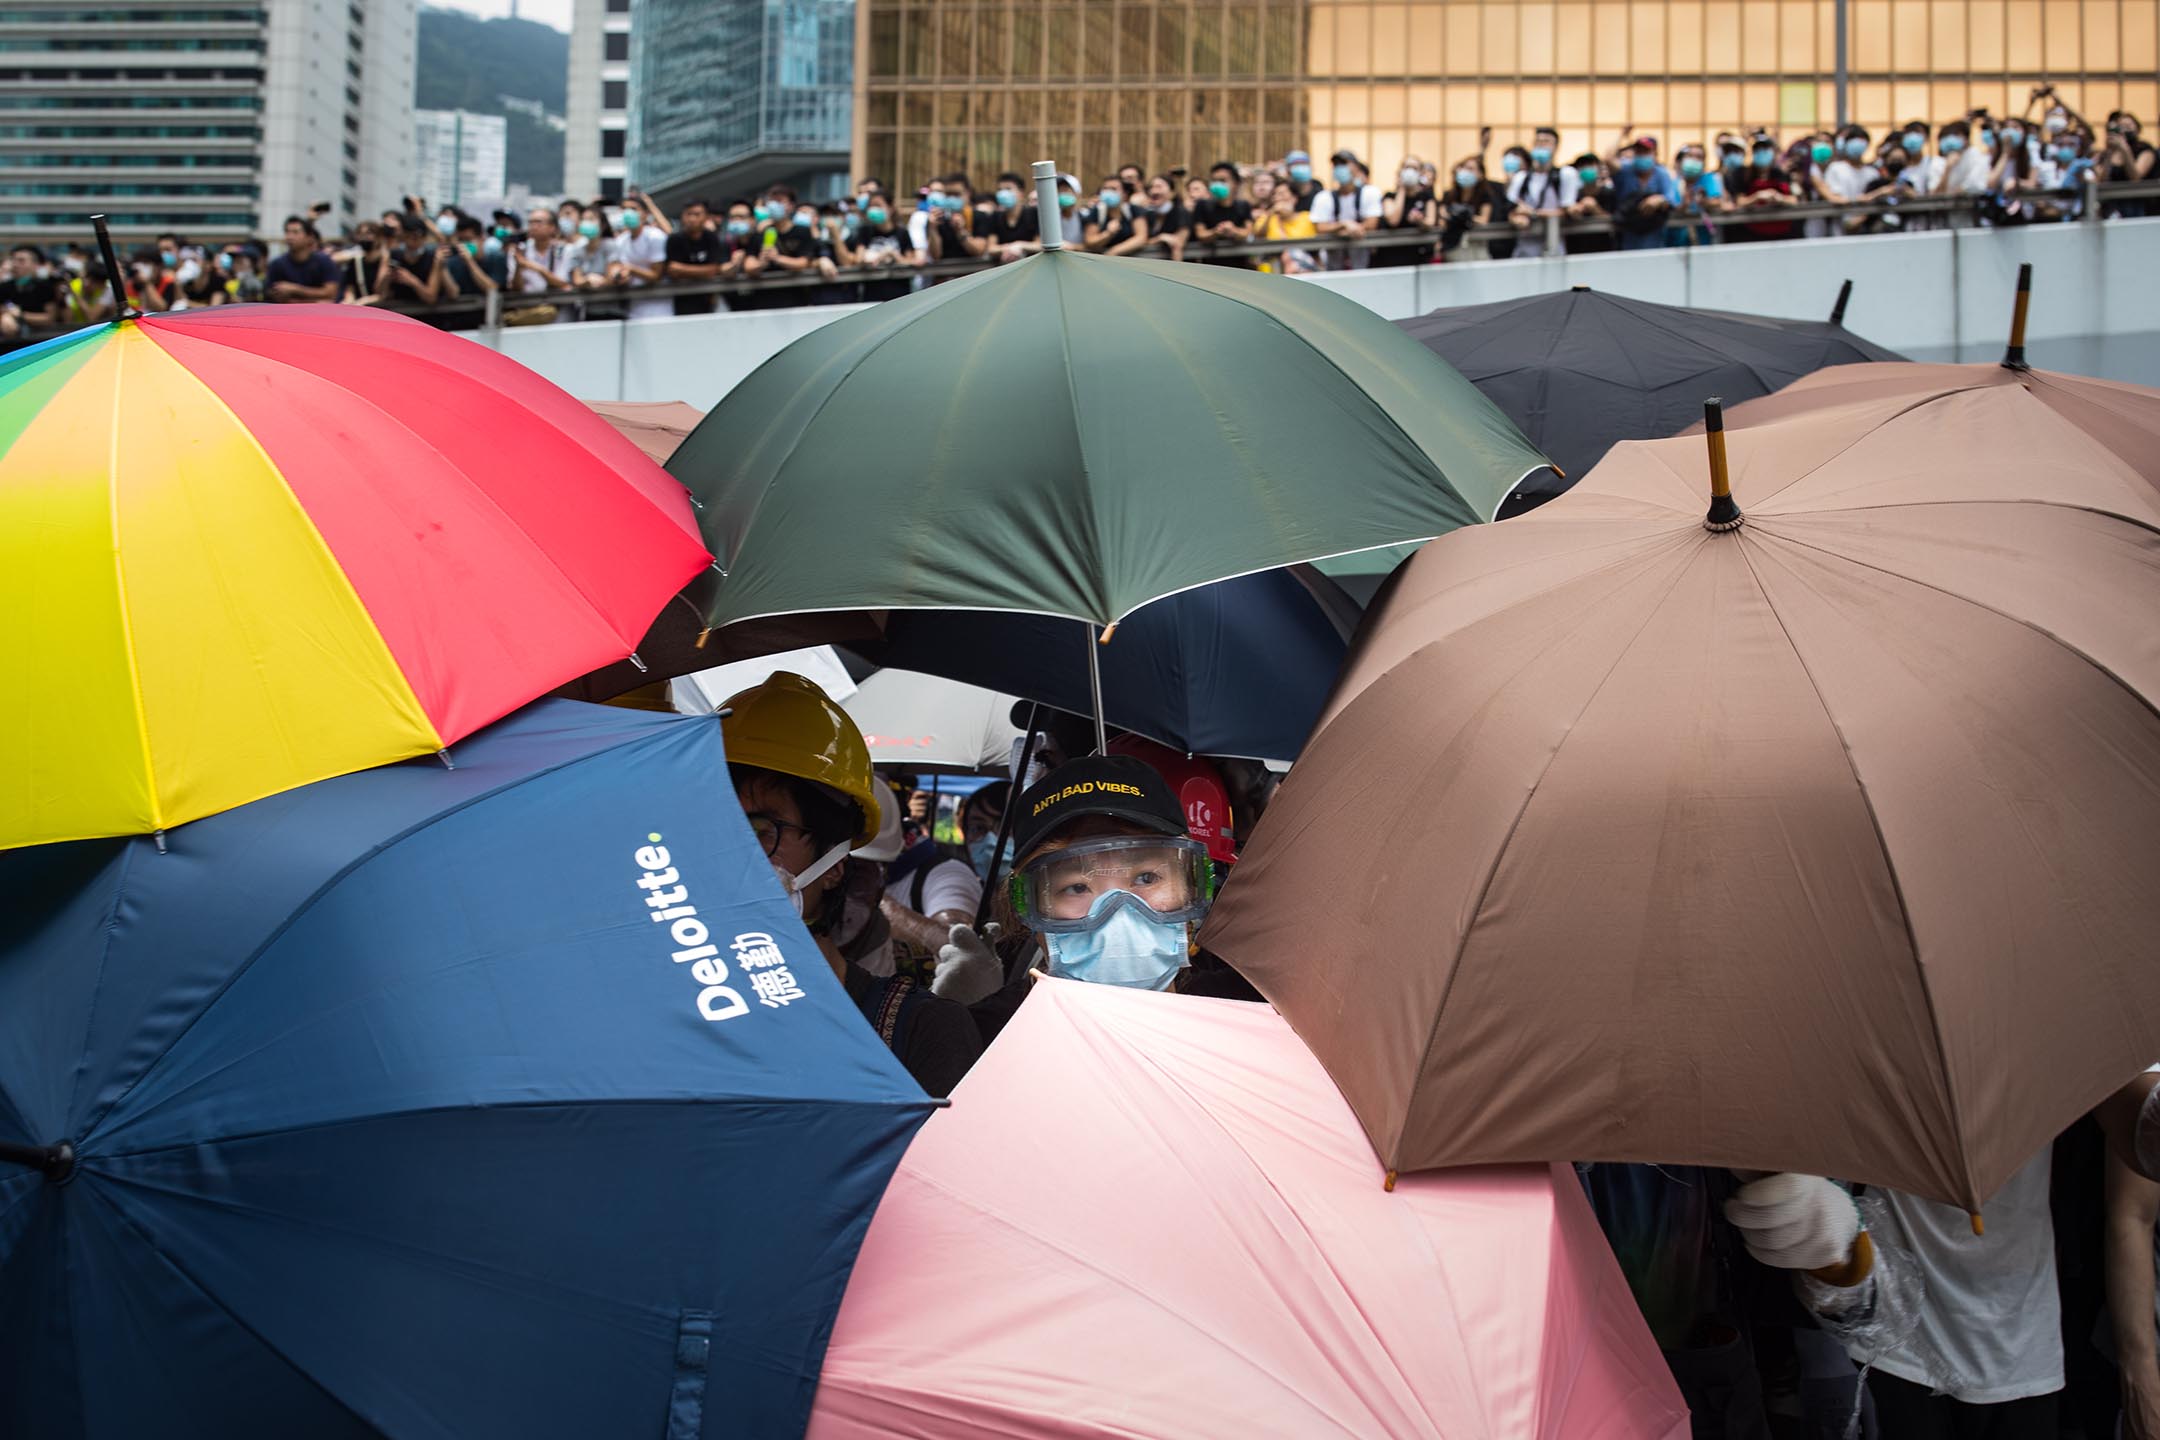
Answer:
(1939, 295)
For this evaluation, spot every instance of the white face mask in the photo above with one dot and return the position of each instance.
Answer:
(795, 884)
(1410, 178)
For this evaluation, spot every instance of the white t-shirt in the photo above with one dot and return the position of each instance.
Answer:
(1843, 180)
(1552, 189)
(1362, 205)
(558, 259)
(647, 250)
(1969, 172)
(1991, 1307)
(950, 885)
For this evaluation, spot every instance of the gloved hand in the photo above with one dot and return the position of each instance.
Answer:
(968, 968)
(1796, 1222)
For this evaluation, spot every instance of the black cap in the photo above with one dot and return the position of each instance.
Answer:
(1118, 786)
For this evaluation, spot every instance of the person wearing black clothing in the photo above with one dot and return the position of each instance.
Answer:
(791, 246)
(1169, 222)
(696, 251)
(956, 232)
(303, 274)
(1222, 218)
(32, 299)
(1411, 205)
(1112, 225)
(880, 245)
(1012, 228)
(1594, 200)
(1302, 184)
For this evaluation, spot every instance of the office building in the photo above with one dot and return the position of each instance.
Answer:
(990, 86)
(217, 119)
(596, 147)
(730, 96)
(463, 158)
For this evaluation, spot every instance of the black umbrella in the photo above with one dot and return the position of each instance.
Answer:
(1580, 370)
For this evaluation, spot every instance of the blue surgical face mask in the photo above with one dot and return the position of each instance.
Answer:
(1913, 141)
(1987, 139)
(1342, 174)
(1541, 155)
(982, 848)
(1511, 163)
(1111, 199)
(1691, 167)
(1734, 160)
(1855, 148)
(955, 203)
(1765, 157)
(1129, 947)
(1466, 178)
(738, 227)
(1301, 173)
(590, 229)
(493, 245)
(2066, 153)
(1951, 144)
(806, 218)
(632, 219)
(2013, 135)
(1007, 197)
(1644, 164)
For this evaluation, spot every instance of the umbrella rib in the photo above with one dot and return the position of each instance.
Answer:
(1432, 1036)
(127, 625)
(330, 883)
(1897, 885)
(2127, 688)
(206, 1293)
(629, 642)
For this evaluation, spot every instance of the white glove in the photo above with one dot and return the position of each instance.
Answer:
(968, 969)
(1795, 1222)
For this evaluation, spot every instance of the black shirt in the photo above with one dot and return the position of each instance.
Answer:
(1218, 212)
(797, 242)
(33, 295)
(1010, 228)
(1117, 228)
(707, 247)
(314, 272)
(1176, 220)
(936, 1039)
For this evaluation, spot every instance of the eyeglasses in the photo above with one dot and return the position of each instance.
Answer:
(768, 830)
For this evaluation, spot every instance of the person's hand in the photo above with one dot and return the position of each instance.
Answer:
(2141, 1401)
(968, 968)
(1484, 138)
(1519, 218)
(1795, 1222)
(918, 805)
(285, 289)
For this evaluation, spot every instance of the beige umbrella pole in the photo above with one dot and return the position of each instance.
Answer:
(2014, 357)
(1724, 514)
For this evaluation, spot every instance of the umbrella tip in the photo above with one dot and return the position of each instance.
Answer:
(1724, 513)
(1579, 289)
(158, 837)
(444, 756)
(1388, 1184)
(2014, 356)
(635, 660)
(1979, 1225)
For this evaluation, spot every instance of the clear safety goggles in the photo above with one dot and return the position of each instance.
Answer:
(1059, 892)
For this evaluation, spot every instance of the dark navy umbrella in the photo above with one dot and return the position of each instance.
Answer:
(1240, 667)
(1580, 370)
(510, 1100)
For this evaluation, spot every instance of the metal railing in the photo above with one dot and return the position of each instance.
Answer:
(497, 307)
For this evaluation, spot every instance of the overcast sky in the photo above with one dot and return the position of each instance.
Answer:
(547, 12)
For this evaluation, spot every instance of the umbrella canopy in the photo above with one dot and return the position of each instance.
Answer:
(246, 548)
(1822, 844)
(1240, 667)
(1152, 1215)
(393, 1113)
(1062, 435)
(914, 721)
(1580, 370)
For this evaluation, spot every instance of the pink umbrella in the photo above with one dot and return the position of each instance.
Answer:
(1154, 1215)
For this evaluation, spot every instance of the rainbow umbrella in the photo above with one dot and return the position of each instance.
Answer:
(248, 548)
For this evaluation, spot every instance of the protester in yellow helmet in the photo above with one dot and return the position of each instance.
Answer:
(803, 776)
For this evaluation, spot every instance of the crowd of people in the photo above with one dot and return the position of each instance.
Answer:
(575, 260)
(1786, 1305)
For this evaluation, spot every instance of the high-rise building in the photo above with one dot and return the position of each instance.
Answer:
(216, 118)
(729, 96)
(596, 147)
(463, 158)
(956, 84)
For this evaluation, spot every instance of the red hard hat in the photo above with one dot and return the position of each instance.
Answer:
(1200, 789)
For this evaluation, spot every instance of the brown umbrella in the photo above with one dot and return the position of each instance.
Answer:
(654, 426)
(678, 642)
(1830, 842)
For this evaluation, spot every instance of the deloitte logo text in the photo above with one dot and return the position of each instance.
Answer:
(757, 954)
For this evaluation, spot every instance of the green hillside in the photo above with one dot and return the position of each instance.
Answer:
(468, 64)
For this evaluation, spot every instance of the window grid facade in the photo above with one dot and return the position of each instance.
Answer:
(990, 86)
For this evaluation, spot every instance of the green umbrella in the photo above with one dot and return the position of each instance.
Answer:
(1076, 435)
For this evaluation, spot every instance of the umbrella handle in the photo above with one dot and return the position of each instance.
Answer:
(1005, 821)
(56, 1162)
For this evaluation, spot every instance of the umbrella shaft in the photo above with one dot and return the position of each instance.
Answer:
(1102, 739)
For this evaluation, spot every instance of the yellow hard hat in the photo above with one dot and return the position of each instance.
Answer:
(789, 726)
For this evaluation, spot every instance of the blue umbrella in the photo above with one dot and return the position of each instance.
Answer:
(1240, 667)
(509, 1100)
